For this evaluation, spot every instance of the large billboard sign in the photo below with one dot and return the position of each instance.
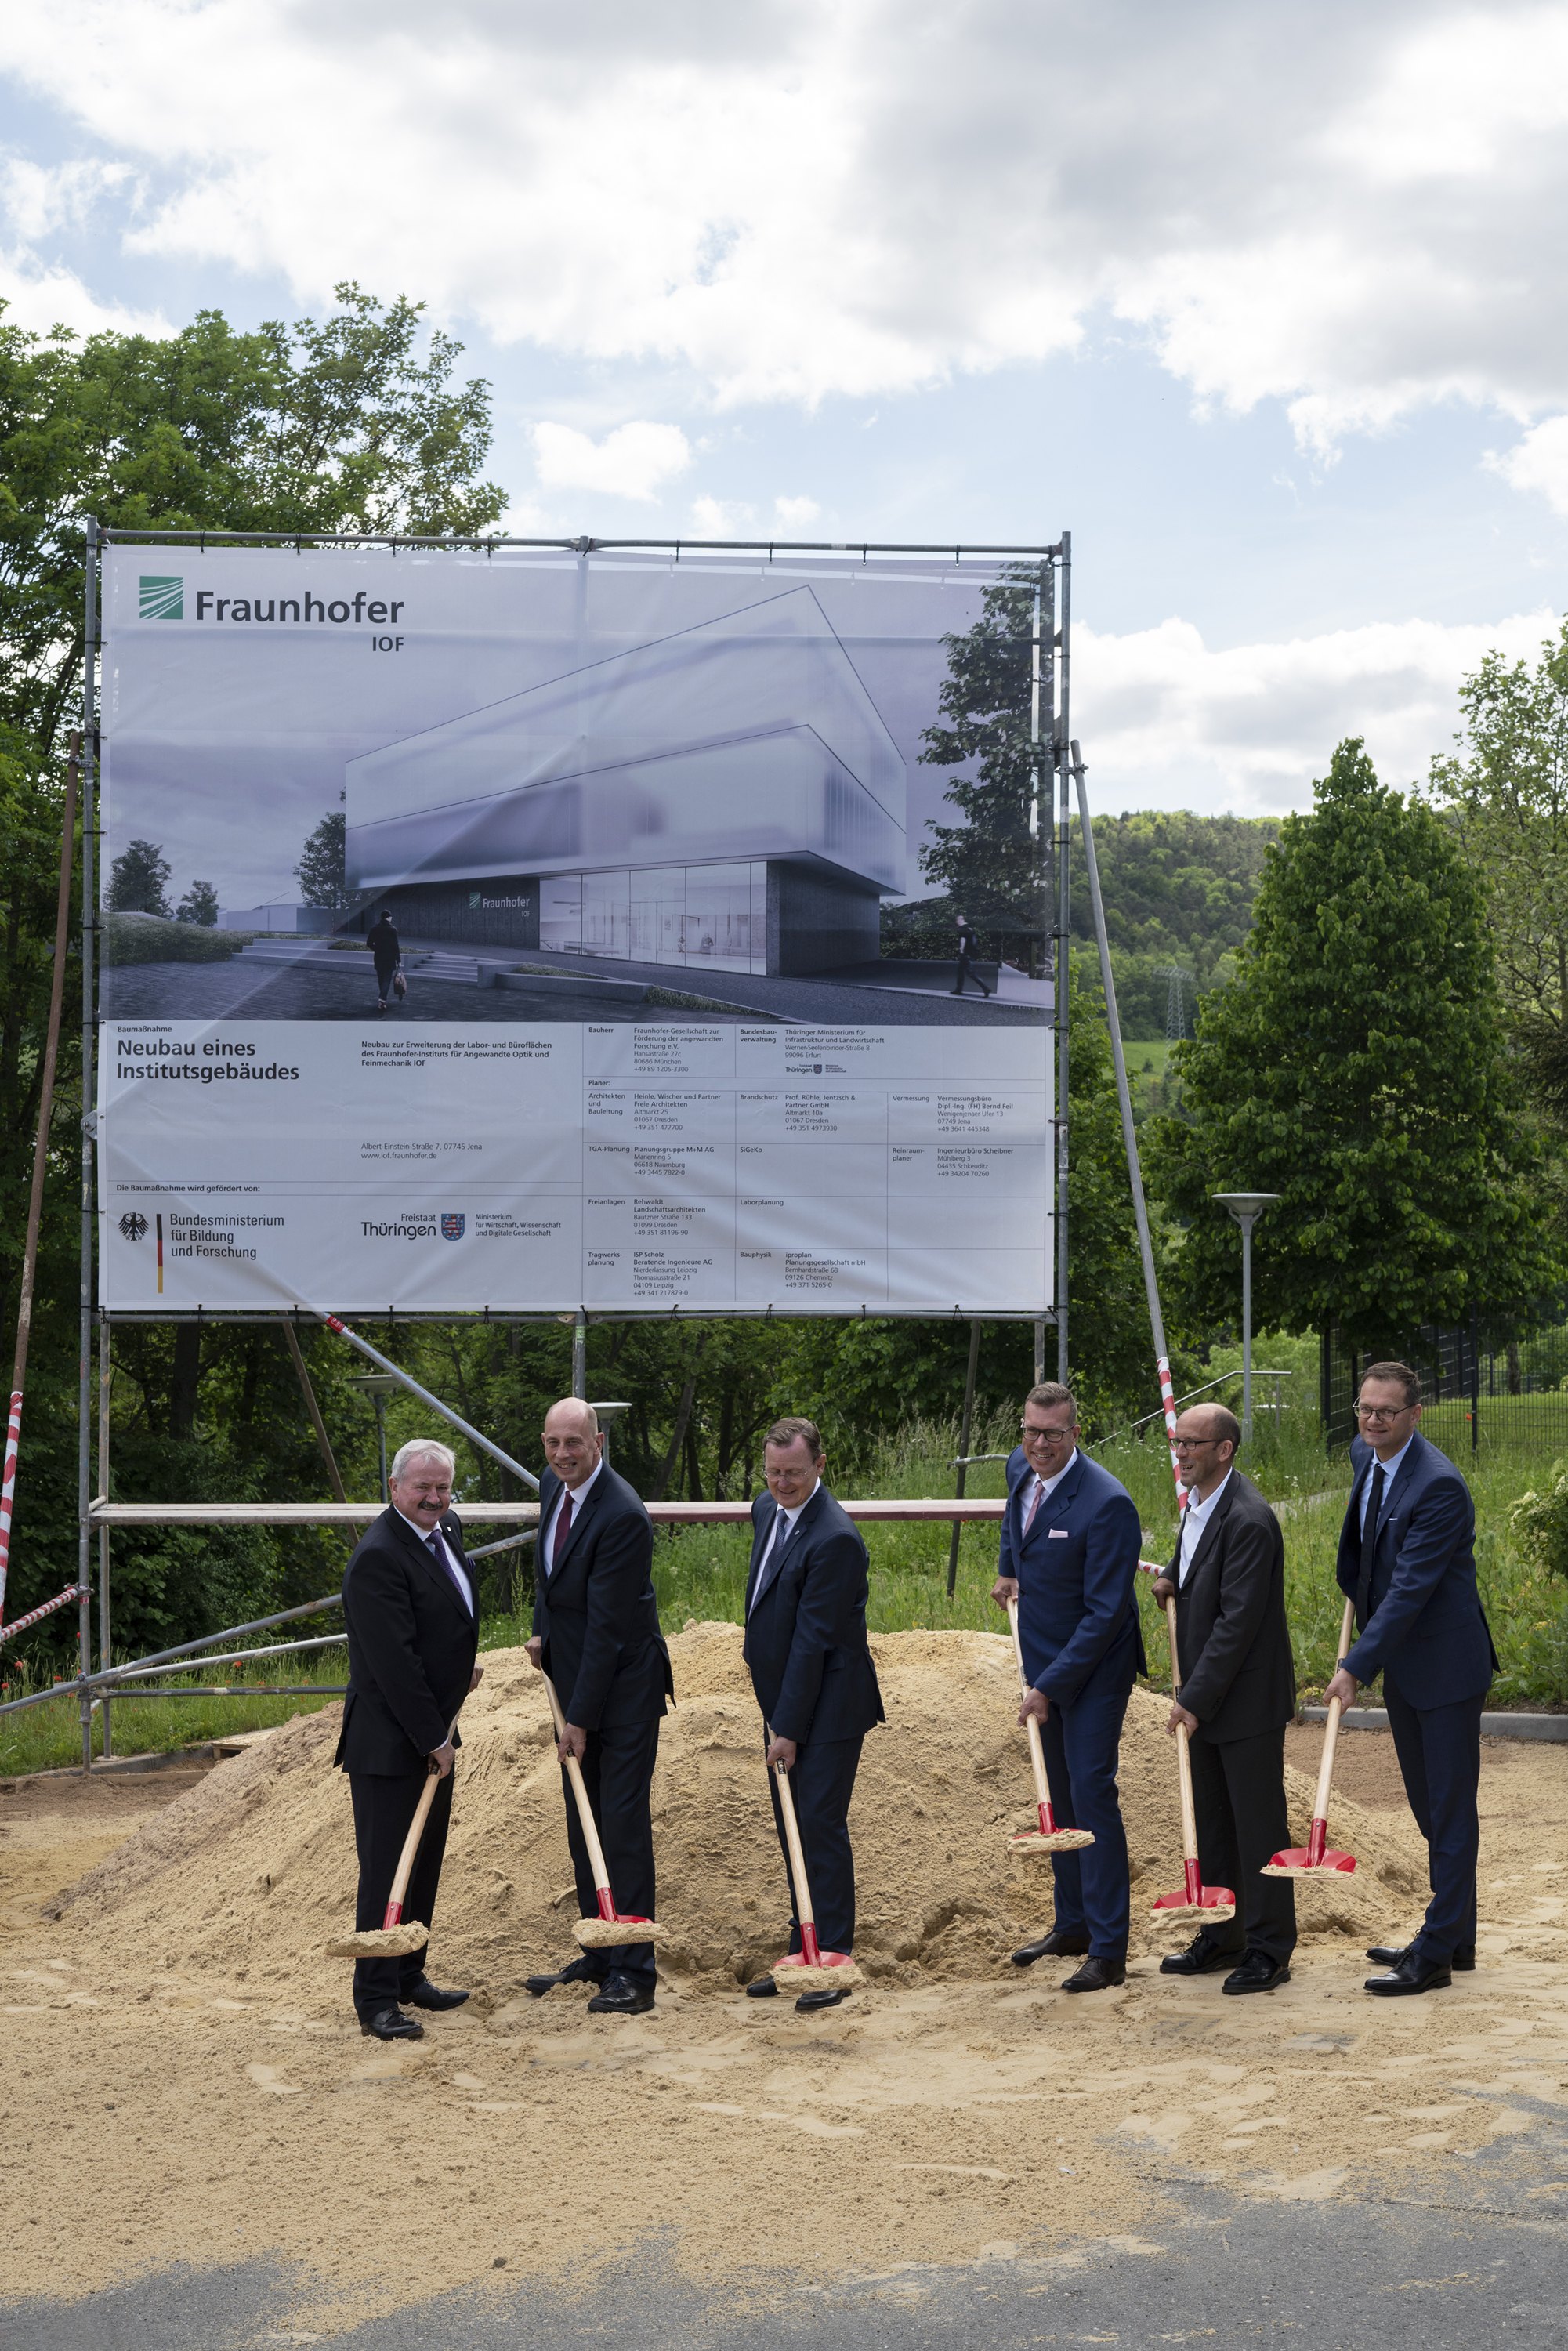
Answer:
(629, 822)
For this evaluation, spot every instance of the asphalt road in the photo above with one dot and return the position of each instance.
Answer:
(1482, 2262)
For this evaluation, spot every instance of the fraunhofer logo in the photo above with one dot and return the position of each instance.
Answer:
(163, 597)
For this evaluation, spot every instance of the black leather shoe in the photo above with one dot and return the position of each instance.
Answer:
(1057, 1945)
(1201, 1957)
(763, 1988)
(1388, 1955)
(621, 1997)
(829, 1996)
(392, 2024)
(428, 1995)
(1097, 1975)
(1258, 1972)
(1411, 1975)
(579, 1971)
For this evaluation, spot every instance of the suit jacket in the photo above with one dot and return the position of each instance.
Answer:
(595, 1611)
(412, 1645)
(1425, 1631)
(1076, 1576)
(1233, 1643)
(805, 1639)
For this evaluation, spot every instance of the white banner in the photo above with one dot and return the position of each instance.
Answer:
(633, 825)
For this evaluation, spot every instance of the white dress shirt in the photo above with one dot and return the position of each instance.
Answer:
(1194, 1519)
(579, 1495)
(1047, 1487)
(778, 1536)
(453, 1565)
(1390, 1471)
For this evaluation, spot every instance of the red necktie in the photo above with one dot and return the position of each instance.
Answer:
(1033, 1506)
(562, 1532)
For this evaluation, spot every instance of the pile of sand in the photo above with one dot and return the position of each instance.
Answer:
(254, 1869)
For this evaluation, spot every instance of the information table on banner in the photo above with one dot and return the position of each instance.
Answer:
(731, 1167)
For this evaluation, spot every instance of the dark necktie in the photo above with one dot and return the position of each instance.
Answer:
(1368, 1547)
(562, 1532)
(442, 1558)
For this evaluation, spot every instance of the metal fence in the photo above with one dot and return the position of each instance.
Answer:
(1477, 1397)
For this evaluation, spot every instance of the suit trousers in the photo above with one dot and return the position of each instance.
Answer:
(1238, 1795)
(822, 1784)
(618, 1773)
(1081, 1743)
(384, 1807)
(1439, 1752)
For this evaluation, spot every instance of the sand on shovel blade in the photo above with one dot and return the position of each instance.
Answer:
(381, 1942)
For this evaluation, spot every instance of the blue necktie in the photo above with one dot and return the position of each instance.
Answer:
(442, 1558)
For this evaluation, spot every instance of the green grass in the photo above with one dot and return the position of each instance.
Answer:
(700, 1571)
(48, 1738)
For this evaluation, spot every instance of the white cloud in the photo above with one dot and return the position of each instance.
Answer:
(1346, 210)
(633, 462)
(794, 514)
(1167, 722)
(1539, 462)
(721, 518)
(38, 295)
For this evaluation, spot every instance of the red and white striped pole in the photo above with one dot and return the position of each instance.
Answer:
(9, 1490)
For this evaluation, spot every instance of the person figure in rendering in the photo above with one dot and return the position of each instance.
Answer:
(1237, 1693)
(1069, 1555)
(596, 1635)
(408, 1604)
(1406, 1555)
(384, 944)
(812, 1672)
(966, 948)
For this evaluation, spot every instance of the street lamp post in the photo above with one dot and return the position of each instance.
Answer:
(378, 1387)
(1245, 1208)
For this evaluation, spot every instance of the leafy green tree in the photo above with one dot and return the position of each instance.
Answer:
(993, 868)
(139, 884)
(322, 870)
(199, 905)
(1506, 791)
(1356, 1067)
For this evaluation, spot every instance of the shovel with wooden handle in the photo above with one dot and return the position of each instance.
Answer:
(609, 1929)
(1203, 1904)
(1046, 1837)
(397, 1935)
(1317, 1857)
(811, 1969)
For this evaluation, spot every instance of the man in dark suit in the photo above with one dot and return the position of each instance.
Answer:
(1406, 1553)
(408, 1604)
(1070, 1546)
(596, 1635)
(1237, 1693)
(812, 1672)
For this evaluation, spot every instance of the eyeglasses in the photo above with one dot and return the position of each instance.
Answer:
(1380, 1412)
(1191, 1444)
(1047, 1436)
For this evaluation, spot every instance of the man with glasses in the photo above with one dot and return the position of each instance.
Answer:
(1406, 1555)
(1237, 1693)
(1069, 1556)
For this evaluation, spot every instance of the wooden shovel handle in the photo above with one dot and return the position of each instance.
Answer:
(1184, 1761)
(416, 1830)
(1330, 1728)
(1032, 1728)
(584, 1809)
(805, 1914)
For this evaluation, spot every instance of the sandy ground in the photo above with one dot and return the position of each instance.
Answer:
(182, 2067)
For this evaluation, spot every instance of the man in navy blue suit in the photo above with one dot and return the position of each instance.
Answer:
(812, 1672)
(1406, 1555)
(1070, 1550)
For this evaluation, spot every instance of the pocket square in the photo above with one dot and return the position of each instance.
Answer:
(1059, 1534)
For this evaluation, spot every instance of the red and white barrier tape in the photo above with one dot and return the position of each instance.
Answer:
(8, 1490)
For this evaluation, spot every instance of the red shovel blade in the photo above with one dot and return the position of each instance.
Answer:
(1298, 1861)
(1206, 1897)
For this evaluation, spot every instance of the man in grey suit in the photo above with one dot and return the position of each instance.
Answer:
(1237, 1693)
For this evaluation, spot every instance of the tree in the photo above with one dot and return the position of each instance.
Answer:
(139, 882)
(1356, 1066)
(993, 867)
(1506, 792)
(322, 868)
(199, 904)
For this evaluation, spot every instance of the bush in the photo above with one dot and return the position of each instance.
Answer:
(1539, 1523)
(147, 939)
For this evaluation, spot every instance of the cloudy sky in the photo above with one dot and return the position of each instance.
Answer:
(1265, 305)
